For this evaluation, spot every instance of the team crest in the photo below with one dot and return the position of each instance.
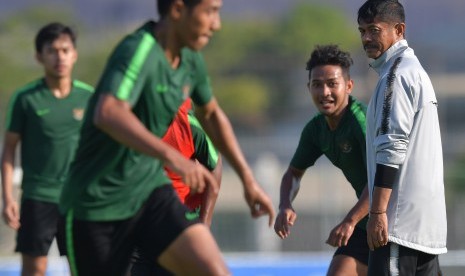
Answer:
(345, 147)
(78, 113)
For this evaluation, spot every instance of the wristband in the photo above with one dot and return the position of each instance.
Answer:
(377, 212)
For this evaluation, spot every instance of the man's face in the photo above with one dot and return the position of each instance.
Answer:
(329, 90)
(58, 57)
(379, 36)
(198, 25)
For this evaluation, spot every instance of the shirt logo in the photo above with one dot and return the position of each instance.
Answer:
(345, 147)
(78, 113)
(191, 215)
(42, 112)
(161, 88)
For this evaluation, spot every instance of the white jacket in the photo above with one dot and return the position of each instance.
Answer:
(403, 132)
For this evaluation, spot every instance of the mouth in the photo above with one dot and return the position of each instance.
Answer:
(326, 103)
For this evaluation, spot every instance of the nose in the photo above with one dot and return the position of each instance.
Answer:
(326, 91)
(366, 37)
(216, 26)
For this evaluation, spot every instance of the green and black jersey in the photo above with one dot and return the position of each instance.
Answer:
(49, 130)
(345, 147)
(109, 181)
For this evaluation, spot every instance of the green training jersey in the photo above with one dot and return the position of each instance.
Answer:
(49, 130)
(345, 147)
(109, 181)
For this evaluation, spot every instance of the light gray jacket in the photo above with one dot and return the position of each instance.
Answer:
(403, 132)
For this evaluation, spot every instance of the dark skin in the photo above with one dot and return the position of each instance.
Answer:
(377, 37)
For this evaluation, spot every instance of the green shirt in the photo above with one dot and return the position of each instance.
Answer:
(109, 181)
(345, 147)
(49, 130)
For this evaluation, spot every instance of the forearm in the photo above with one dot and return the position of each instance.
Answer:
(360, 209)
(7, 181)
(220, 131)
(290, 185)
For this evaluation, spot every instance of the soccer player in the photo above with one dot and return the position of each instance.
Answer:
(44, 117)
(407, 227)
(338, 132)
(117, 195)
(186, 135)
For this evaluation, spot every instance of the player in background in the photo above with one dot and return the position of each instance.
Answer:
(407, 228)
(117, 195)
(44, 117)
(186, 135)
(338, 132)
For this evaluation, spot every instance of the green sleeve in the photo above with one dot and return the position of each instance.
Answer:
(205, 151)
(125, 74)
(16, 115)
(307, 151)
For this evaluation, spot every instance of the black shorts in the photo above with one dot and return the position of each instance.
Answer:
(357, 246)
(39, 226)
(105, 248)
(394, 259)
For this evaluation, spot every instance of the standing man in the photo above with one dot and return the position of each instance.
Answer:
(407, 227)
(45, 118)
(338, 132)
(117, 195)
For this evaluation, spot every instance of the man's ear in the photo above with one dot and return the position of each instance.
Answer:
(177, 8)
(400, 29)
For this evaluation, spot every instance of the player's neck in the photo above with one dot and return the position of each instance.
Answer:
(60, 87)
(168, 42)
(334, 120)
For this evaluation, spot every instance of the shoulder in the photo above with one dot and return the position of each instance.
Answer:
(137, 42)
(28, 89)
(82, 86)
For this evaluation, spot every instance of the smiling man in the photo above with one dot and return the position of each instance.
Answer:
(338, 132)
(44, 117)
(117, 195)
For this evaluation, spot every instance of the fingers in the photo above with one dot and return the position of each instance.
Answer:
(284, 222)
(11, 217)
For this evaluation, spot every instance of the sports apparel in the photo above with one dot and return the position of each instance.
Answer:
(403, 133)
(396, 260)
(344, 147)
(104, 248)
(49, 130)
(186, 135)
(357, 246)
(109, 181)
(39, 226)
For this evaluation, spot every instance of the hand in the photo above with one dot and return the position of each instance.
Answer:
(196, 176)
(259, 202)
(11, 214)
(284, 221)
(377, 233)
(340, 234)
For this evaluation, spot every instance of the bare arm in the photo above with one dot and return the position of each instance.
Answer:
(209, 197)
(377, 227)
(219, 129)
(115, 118)
(341, 234)
(10, 205)
(290, 185)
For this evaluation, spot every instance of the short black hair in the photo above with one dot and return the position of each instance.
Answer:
(51, 32)
(390, 11)
(163, 6)
(329, 54)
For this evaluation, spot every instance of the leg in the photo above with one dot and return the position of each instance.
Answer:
(342, 265)
(351, 259)
(194, 252)
(33, 265)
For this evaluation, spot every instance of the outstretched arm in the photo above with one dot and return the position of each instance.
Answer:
(10, 205)
(290, 185)
(341, 234)
(219, 129)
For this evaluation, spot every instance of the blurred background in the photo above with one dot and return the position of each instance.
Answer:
(257, 66)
